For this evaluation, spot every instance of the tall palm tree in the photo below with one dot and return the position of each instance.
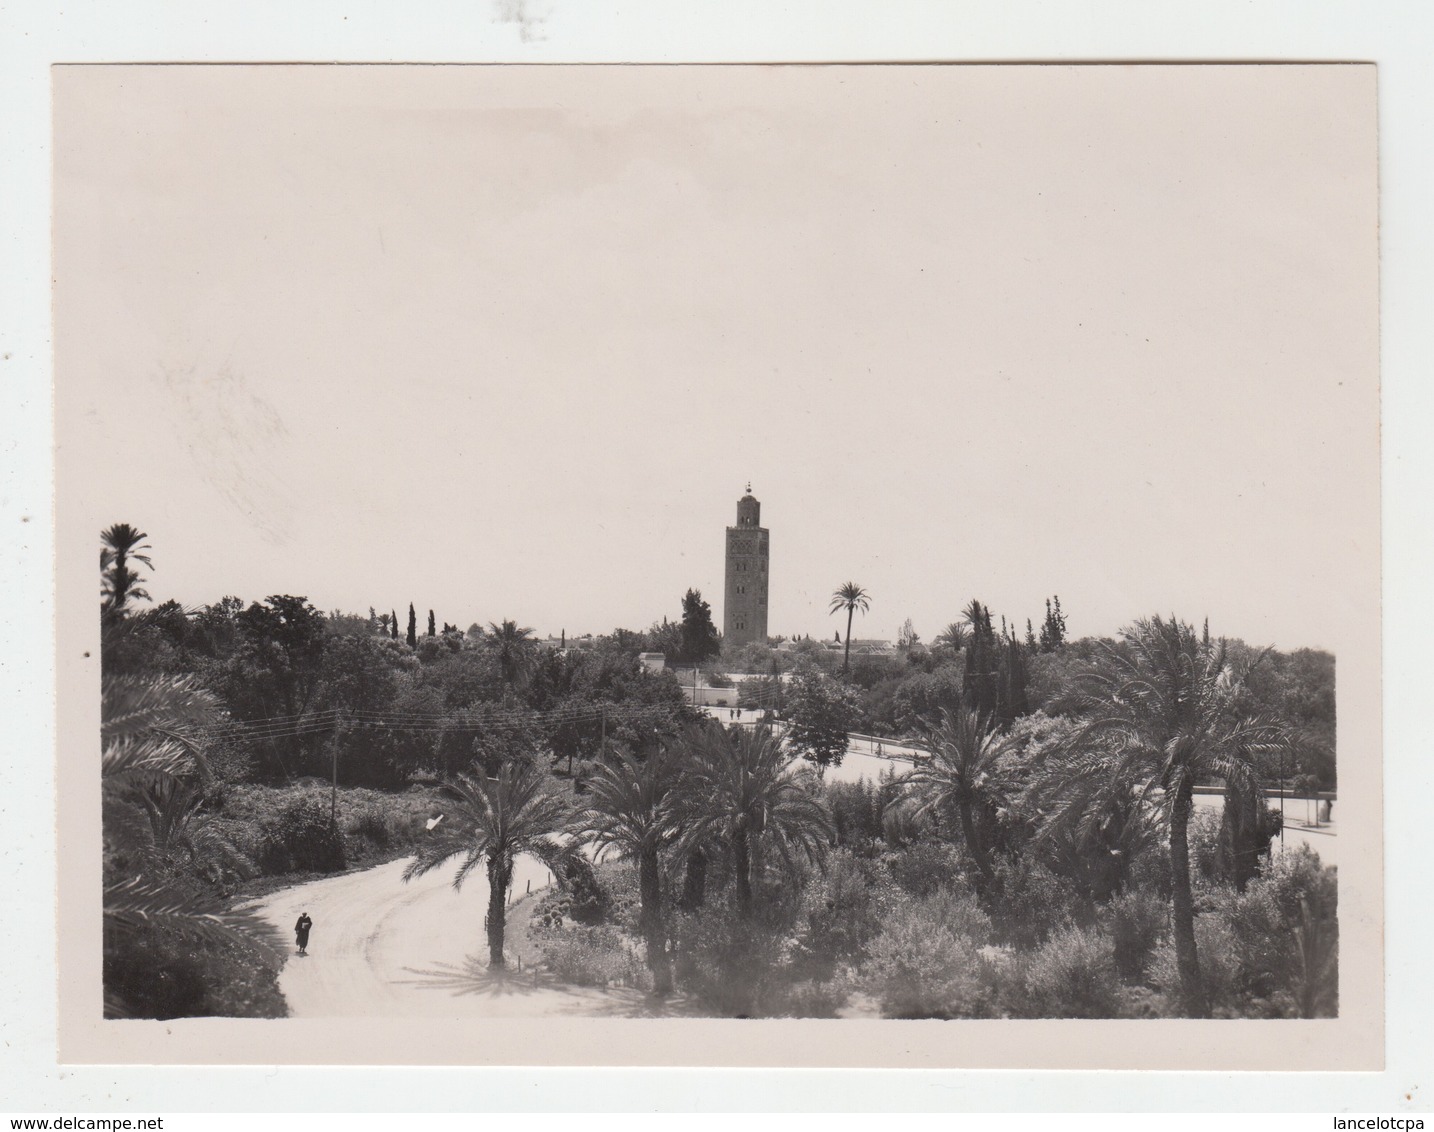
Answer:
(850, 597)
(962, 774)
(740, 787)
(494, 819)
(121, 544)
(512, 645)
(630, 809)
(152, 737)
(1158, 721)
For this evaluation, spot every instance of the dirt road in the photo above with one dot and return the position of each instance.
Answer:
(383, 948)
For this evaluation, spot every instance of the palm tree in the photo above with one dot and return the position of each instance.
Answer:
(740, 787)
(963, 773)
(122, 543)
(494, 819)
(512, 645)
(1094, 822)
(1159, 713)
(153, 728)
(850, 597)
(151, 734)
(630, 809)
(953, 637)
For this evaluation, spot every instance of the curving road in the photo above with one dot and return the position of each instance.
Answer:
(380, 947)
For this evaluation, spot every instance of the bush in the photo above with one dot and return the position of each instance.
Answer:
(926, 868)
(372, 825)
(927, 960)
(594, 957)
(810, 999)
(151, 976)
(375, 824)
(1286, 935)
(155, 972)
(841, 911)
(301, 839)
(856, 814)
(587, 900)
(1271, 952)
(622, 895)
(1150, 872)
(1203, 836)
(1072, 975)
(1137, 920)
(1033, 904)
(738, 969)
(1215, 946)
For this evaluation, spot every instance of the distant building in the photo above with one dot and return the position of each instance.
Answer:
(652, 661)
(744, 608)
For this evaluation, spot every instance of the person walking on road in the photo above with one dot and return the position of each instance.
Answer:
(301, 932)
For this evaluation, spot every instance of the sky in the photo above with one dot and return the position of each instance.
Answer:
(510, 342)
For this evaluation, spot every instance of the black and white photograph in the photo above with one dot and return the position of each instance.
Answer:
(675, 559)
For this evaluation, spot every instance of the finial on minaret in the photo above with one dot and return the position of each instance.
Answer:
(749, 487)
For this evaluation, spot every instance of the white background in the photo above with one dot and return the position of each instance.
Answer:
(34, 35)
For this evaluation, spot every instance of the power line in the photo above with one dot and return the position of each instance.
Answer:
(276, 727)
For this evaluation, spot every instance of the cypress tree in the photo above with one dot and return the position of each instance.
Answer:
(393, 624)
(1053, 630)
(982, 679)
(1013, 682)
(412, 627)
(432, 625)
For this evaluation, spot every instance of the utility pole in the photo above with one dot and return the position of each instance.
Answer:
(334, 788)
(1282, 798)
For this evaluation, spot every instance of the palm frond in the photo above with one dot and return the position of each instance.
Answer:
(141, 904)
(141, 759)
(133, 705)
(493, 817)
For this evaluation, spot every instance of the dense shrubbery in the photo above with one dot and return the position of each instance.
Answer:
(594, 957)
(301, 839)
(927, 962)
(168, 973)
(1285, 929)
(1072, 975)
(281, 831)
(897, 915)
(925, 867)
(1033, 903)
(731, 964)
(1031, 865)
(843, 911)
(1137, 920)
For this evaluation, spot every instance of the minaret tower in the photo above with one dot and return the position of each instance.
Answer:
(744, 608)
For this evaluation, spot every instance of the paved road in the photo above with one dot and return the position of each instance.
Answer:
(1323, 839)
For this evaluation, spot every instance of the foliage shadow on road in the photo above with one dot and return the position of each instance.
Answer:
(475, 978)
